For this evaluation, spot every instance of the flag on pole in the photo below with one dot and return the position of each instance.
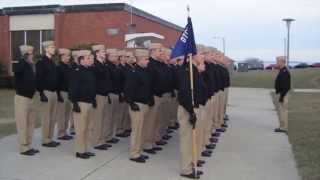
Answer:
(186, 43)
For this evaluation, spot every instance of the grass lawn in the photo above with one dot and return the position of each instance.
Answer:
(304, 133)
(6, 104)
(301, 78)
(7, 122)
(7, 129)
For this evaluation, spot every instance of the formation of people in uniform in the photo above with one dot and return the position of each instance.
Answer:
(100, 95)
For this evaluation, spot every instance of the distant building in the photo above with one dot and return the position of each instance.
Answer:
(243, 67)
(116, 25)
(254, 64)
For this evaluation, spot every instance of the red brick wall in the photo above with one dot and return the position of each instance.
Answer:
(90, 27)
(4, 41)
(145, 25)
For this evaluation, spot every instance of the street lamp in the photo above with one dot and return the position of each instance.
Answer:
(288, 23)
(223, 43)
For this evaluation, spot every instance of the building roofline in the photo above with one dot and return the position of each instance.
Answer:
(139, 12)
(49, 9)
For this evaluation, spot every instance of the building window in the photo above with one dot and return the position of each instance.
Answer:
(17, 38)
(112, 31)
(30, 37)
(33, 39)
(47, 35)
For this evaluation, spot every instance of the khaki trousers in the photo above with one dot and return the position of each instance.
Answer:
(114, 116)
(283, 113)
(226, 98)
(124, 111)
(221, 108)
(217, 124)
(174, 108)
(185, 133)
(49, 112)
(208, 118)
(98, 114)
(200, 129)
(127, 119)
(81, 124)
(106, 120)
(163, 116)
(64, 114)
(71, 129)
(137, 120)
(25, 116)
(150, 124)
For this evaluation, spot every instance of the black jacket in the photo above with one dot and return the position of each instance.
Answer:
(283, 82)
(201, 94)
(116, 78)
(226, 77)
(138, 87)
(162, 81)
(82, 85)
(25, 79)
(174, 69)
(103, 78)
(64, 71)
(124, 69)
(46, 75)
(184, 88)
(209, 79)
(217, 77)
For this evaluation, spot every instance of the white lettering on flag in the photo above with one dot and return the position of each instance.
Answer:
(184, 36)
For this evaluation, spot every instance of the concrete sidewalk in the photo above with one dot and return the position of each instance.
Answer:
(249, 150)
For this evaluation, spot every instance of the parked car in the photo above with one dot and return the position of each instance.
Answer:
(315, 65)
(301, 66)
(271, 66)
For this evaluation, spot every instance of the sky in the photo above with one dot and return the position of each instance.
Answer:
(252, 28)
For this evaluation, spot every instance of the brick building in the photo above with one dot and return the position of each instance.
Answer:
(116, 25)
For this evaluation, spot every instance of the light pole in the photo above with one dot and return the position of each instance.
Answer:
(223, 43)
(288, 23)
(284, 46)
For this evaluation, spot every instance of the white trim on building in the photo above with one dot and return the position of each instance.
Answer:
(32, 22)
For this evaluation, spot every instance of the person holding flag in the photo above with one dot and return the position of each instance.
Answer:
(188, 110)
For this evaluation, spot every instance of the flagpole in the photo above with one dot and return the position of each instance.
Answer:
(194, 135)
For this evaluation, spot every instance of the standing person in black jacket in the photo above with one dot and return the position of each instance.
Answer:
(47, 83)
(74, 65)
(25, 112)
(114, 94)
(82, 95)
(155, 68)
(138, 93)
(173, 124)
(202, 97)
(209, 80)
(103, 87)
(188, 113)
(282, 87)
(166, 103)
(221, 88)
(64, 109)
(226, 64)
(129, 66)
(123, 107)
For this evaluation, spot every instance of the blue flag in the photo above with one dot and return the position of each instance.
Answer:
(186, 43)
